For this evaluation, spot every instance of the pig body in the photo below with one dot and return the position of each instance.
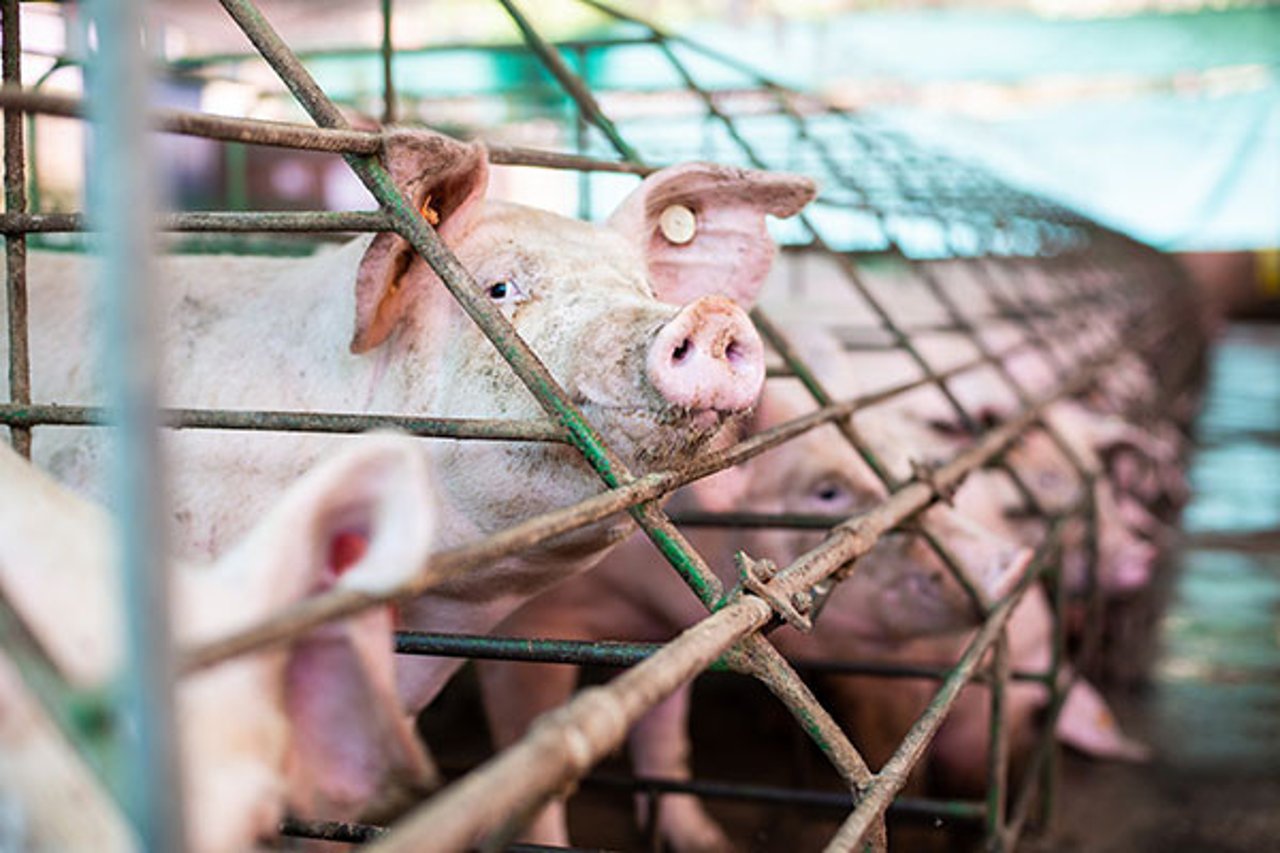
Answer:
(644, 330)
(315, 728)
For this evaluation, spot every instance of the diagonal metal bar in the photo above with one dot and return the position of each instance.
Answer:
(570, 82)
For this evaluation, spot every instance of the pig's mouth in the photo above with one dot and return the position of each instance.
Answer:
(655, 437)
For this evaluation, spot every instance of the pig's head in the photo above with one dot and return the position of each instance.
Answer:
(642, 319)
(901, 589)
(316, 728)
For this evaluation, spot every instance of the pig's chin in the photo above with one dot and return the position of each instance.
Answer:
(651, 439)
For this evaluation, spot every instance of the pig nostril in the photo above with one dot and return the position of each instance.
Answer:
(682, 351)
(733, 352)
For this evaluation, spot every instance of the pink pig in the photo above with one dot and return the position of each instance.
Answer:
(257, 734)
(641, 320)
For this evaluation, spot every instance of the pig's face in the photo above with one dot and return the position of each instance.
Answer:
(588, 310)
(901, 589)
(641, 320)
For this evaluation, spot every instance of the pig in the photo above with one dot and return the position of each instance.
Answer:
(314, 728)
(640, 319)
(930, 430)
(898, 592)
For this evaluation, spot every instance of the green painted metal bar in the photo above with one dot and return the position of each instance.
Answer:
(15, 201)
(577, 652)
(917, 807)
(235, 159)
(612, 653)
(998, 744)
(89, 720)
(120, 200)
(427, 243)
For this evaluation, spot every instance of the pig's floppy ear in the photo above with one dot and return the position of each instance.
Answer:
(702, 231)
(361, 520)
(444, 180)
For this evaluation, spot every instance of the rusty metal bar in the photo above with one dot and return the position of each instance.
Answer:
(387, 50)
(336, 140)
(998, 744)
(234, 221)
(564, 743)
(15, 202)
(570, 82)
(339, 422)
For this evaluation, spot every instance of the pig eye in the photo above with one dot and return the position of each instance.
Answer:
(945, 427)
(830, 491)
(505, 292)
(989, 418)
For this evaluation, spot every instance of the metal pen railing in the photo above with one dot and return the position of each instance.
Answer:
(496, 797)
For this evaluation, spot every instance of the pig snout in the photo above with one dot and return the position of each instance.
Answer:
(708, 357)
(1131, 566)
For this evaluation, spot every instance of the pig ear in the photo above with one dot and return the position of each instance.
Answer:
(702, 231)
(1088, 724)
(444, 180)
(363, 519)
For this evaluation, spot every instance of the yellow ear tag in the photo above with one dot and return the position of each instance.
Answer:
(428, 212)
(678, 224)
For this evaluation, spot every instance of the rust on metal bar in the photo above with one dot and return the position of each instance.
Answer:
(570, 82)
(340, 140)
(15, 201)
(235, 221)
(309, 421)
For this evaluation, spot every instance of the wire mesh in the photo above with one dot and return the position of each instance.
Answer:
(884, 197)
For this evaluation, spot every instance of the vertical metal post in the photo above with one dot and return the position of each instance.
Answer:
(15, 201)
(998, 746)
(388, 81)
(580, 140)
(120, 206)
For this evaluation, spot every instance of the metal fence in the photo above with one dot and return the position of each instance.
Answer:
(998, 234)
